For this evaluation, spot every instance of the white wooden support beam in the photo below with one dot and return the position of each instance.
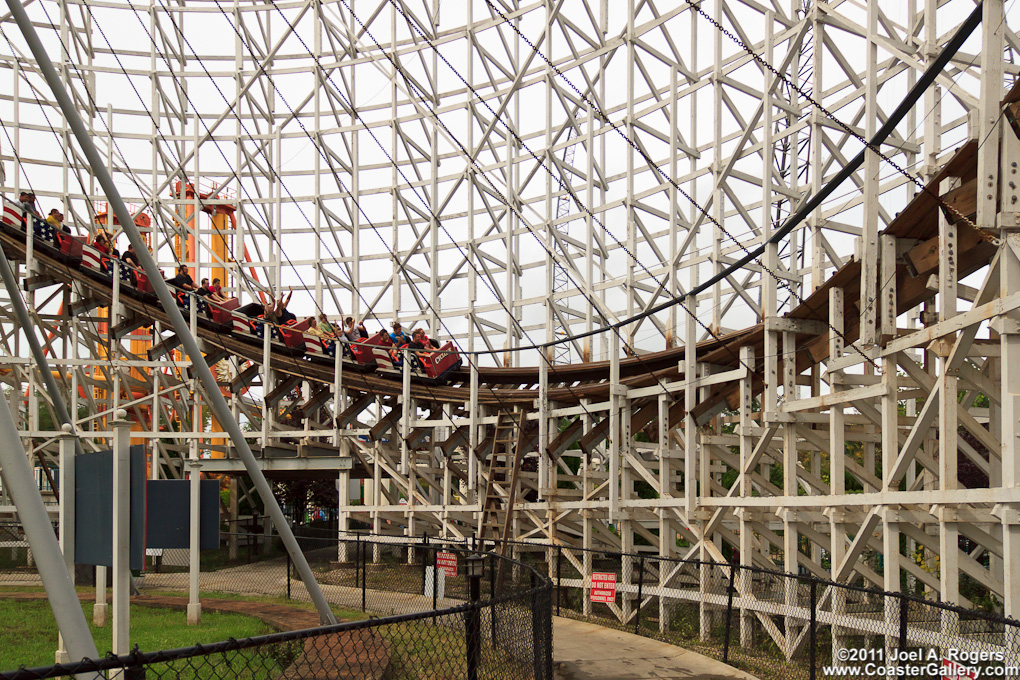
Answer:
(614, 427)
(869, 237)
(837, 437)
(66, 517)
(1008, 176)
(887, 287)
(746, 544)
(121, 533)
(667, 535)
(790, 487)
(949, 567)
(542, 406)
(691, 445)
(473, 425)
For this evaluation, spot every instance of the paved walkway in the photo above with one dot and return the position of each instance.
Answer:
(585, 651)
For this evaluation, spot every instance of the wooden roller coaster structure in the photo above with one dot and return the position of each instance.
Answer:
(830, 439)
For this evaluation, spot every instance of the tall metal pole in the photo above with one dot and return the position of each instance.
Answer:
(220, 408)
(19, 483)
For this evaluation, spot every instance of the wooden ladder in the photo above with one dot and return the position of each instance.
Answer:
(504, 466)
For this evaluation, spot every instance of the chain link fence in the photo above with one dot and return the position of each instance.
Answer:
(446, 612)
(769, 623)
(17, 566)
(773, 624)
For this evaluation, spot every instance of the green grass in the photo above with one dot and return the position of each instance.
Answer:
(28, 635)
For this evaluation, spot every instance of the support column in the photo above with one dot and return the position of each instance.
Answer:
(789, 517)
(67, 501)
(614, 427)
(890, 517)
(990, 133)
(837, 463)
(194, 540)
(101, 608)
(667, 536)
(949, 568)
(746, 449)
(626, 526)
(690, 399)
(869, 238)
(343, 515)
(231, 514)
(121, 533)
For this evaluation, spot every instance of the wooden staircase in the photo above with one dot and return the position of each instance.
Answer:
(504, 466)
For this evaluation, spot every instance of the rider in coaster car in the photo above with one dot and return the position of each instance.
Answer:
(183, 279)
(398, 336)
(130, 257)
(281, 311)
(28, 207)
(354, 333)
(101, 242)
(324, 325)
(56, 220)
(314, 329)
(426, 341)
(216, 292)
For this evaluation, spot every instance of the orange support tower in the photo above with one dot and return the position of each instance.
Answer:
(224, 228)
(141, 339)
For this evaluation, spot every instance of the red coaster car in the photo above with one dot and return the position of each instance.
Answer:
(440, 362)
(222, 312)
(12, 216)
(293, 334)
(373, 351)
(71, 247)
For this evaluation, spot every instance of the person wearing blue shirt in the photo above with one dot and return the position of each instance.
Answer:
(398, 336)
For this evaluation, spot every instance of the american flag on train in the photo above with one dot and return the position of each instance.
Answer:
(43, 230)
(12, 215)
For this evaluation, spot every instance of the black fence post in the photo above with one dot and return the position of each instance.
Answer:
(435, 578)
(492, 596)
(547, 617)
(425, 568)
(814, 630)
(729, 614)
(904, 603)
(133, 670)
(364, 572)
(473, 569)
(357, 560)
(640, 595)
(537, 632)
(559, 559)
(288, 574)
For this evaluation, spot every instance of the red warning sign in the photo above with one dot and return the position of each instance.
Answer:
(954, 671)
(447, 561)
(603, 587)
